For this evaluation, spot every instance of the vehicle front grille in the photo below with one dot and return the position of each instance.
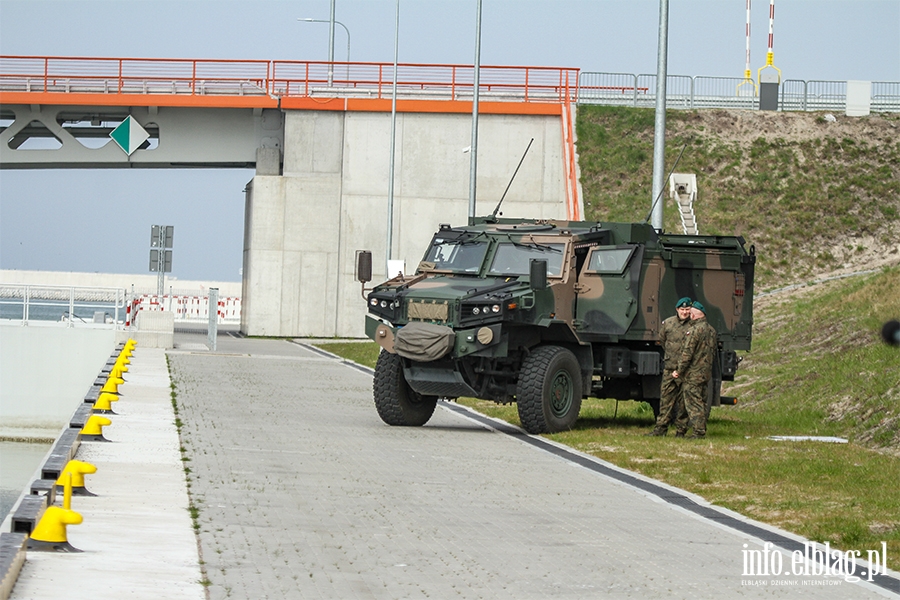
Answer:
(427, 310)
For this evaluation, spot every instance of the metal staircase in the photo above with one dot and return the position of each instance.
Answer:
(683, 189)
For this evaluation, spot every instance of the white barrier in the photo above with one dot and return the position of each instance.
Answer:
(189, 309)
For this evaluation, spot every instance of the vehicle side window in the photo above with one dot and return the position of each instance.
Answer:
(609, 260)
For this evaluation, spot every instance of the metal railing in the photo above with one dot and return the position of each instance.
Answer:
(639, 91)
(72, 306)
(266, 79)
(193, 77)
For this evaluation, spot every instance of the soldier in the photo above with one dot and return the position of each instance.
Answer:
(695, 370)
(671, 338)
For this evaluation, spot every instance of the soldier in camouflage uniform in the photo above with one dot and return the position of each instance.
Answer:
(671, 338)
(695, 370)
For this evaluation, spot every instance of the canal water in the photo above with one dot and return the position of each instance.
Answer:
(19, 462)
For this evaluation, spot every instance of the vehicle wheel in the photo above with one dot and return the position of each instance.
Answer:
(548, 395)
(396, 402)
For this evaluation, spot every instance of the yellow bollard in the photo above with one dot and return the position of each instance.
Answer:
(110, 387)
(93, 429)
(104, 402)
(74, 473)
(50, 532)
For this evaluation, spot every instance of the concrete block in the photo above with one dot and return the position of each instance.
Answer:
(268, 161)
(28, 513)
(155, 320)
(155, 329)
(12, 557)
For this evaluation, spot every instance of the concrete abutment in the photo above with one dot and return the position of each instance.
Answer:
(302, 227)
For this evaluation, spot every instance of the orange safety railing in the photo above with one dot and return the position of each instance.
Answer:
(211, 77)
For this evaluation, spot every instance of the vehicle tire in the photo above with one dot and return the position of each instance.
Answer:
(548, 394)
(396, 402)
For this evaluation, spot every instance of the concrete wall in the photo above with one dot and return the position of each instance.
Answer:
(45, 371)
(302, 228)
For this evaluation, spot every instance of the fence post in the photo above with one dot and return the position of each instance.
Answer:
(692, 93)
(213, 318)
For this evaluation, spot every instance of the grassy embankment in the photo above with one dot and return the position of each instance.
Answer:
(815, 198)
(812, 196)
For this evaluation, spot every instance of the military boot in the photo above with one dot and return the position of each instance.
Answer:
(657, 432)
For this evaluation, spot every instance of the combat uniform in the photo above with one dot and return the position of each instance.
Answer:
(671, 337)
(695, 370)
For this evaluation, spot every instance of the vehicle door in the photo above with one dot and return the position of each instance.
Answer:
(607, 290)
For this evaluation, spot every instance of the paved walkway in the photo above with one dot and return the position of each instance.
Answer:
(136, 538)
(304, 493)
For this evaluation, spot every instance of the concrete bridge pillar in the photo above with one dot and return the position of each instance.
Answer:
(302, 227)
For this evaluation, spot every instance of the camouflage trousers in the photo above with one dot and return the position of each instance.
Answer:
(670, 401)
(693, 409)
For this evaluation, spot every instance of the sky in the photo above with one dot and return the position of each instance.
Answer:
(99, 221)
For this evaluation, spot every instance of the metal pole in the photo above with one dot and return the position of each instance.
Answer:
(659, 130)
(473, 149)
(213, 316)
(390, 221)
(308, 20)
(161, 264)
(348, 51)
(331, 46)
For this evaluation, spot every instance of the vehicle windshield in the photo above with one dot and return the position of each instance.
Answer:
(457, 255)
(515, 259)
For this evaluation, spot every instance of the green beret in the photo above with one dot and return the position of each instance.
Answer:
(699, 306)
(683, 302)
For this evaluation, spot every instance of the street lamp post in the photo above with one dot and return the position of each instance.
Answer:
(390, 224)
(331, 50)
(473, 148)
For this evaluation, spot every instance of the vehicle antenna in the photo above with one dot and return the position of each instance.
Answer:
(494, 214)
(663, 188)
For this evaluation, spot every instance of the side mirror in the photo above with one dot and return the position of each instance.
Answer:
(538, 273)
(363, 266)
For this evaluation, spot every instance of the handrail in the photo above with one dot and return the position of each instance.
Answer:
(173, 76)
(60, 303)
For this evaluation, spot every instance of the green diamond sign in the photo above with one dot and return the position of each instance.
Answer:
(129, 135)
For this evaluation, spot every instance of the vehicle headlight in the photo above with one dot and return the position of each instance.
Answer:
(384, 304)
(374, 301)
(476, 311)
(495, 308)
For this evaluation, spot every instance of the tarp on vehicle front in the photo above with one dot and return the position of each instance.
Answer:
(424, 342)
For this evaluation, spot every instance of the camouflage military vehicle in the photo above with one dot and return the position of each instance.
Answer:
(545, 313)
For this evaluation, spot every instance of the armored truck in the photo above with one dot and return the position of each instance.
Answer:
(545, 313)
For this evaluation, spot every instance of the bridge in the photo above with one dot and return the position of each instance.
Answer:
(320, 149)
